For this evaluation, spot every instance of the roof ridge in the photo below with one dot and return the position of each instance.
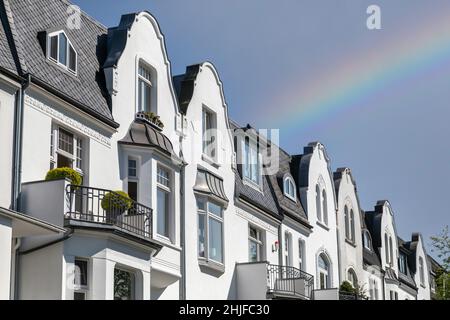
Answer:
(88, 16)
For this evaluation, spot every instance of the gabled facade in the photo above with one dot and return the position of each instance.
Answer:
(176, 200)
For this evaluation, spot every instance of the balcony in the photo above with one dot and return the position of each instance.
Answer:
(85, 204)
(262, 280)
(66, 205)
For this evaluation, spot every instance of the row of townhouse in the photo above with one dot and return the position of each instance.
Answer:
(218, 210)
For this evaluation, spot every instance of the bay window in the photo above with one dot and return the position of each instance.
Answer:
(163, 201)
(210, 230)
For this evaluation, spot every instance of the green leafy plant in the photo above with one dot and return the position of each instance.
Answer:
(118, 201)
(64, 173)
(153, 118)
(347, 287)
(441, 248)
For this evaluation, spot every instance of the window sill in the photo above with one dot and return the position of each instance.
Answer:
(321, 224)
(252, 184)
(210, 160)
(350, 242)
(163, 239)
(214, 266)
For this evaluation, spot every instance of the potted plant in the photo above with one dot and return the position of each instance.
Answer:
(64, 173)
(152, 118)
(115, 203)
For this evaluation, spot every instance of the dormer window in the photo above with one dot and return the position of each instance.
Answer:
(367, 241)
(289, 188)
(61, 51)
(252, 162)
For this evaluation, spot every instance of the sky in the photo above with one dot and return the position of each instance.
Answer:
(377, 99)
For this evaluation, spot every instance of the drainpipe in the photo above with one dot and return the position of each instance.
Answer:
(17, 144)
(14, 260)
(182, 287)
(280, 243)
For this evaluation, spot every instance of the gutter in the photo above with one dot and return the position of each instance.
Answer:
(66, 236)
(17, 144)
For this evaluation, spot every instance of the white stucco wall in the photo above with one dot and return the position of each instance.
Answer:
(350, 253)
(5, 257)
(423, 292)
(323, 239)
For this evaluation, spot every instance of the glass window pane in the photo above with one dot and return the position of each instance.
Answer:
(132, 190)
(162, 212)
(215, 240)
(62, 49)
(54, 47)
(201, 204)
(80, 273)
(253, 251)
(132, 168)
(163, 177)
(201, 235)
(215, 209)
(72, 59)
(63, 162)
(79, 155)
(253, 233)
(65, 141)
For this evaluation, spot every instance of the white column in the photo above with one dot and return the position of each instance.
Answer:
(102, 279)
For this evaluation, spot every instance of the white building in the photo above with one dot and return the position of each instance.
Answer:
(215, 210)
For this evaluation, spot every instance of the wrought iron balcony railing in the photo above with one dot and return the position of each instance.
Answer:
(289, 281)
(94, 205)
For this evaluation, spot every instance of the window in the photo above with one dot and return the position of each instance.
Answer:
(391, 255)
(61, 51)
(352, 226)
(301, 255)
(66, 150)
(163, 201)
(367, 240)
(347, 227)
(252, 162)
(133, 179)
(324, 271)
(373, 289)
(386, 248)
(421, 271)
(208, 133)
(124, 284)
(287, 249)
(402, 263)
(144, 89)
(289, 188)
(393, 295)
(210, 230)
(324, 207)
(351, 277)
(318, 203)
(80, 279)
(255, 244)
(375, 285)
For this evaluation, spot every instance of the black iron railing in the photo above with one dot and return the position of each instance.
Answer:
(108, 207)
(289, 281)
(350, 296)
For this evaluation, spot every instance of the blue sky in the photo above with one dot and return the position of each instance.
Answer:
(395, 138)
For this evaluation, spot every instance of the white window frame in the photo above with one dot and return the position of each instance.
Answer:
(209, 134)
(135, 178)
(168, 189)
(80, 288)
(289, 183)
(69, 45)
(301, 254)
(326, 273)
(287, 249)
(206, 216)
(247, 162)
(148, 82)
(54, 149)
(259, 241)
(367, 240)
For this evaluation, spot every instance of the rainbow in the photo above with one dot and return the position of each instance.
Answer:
(344, 88)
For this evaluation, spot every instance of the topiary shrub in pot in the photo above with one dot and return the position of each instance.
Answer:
(347, 287)
(115, 203)
(64, 173)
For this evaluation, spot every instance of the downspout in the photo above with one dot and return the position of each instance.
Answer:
(280, 242)
(17, 144)
(182, 287)
(14, 260)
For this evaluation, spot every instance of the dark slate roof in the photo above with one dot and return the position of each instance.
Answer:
(406, 278)
(184, 86)
(117, 39)
(265, 200)
(287, 205)
(144, 134)
(369, 256)
(210, 184)
(29, 23)
(6, 56)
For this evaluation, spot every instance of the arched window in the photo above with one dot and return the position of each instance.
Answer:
(352, 225)
(325, 206)
(421, 271)
(289, 188)
(146, 92)
(367, 241)
(347, 230)
(323, 266)
(391, 254)
(351, 277)
(386, 248)
(318, 203)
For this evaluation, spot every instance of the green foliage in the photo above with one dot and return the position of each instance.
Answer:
(122, 285)
(62, 173)
(153, 118)
(442, 285)
(347, 287)
(441, 247)
(118, 201)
